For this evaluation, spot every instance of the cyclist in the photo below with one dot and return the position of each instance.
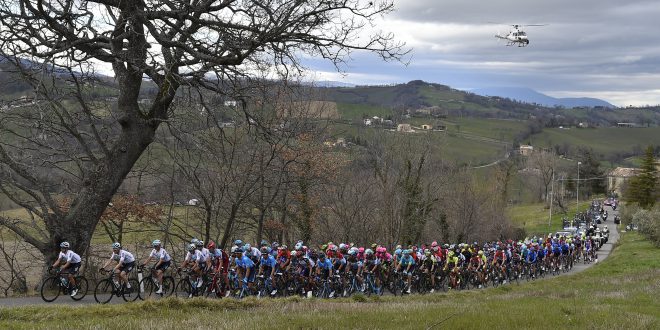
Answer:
(219, 262)
(70, 267)
(354, 266)
(500, 259)
(324, 270)
(267, 267)
(192, 261)
(407, 264)
(125, 263)
(162, 263)
(245, 267)
(429, 266)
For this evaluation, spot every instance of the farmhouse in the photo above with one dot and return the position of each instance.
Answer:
(618, 177)
(406, 128)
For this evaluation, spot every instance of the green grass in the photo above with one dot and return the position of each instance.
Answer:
(534, 217)
(450, 146)
(358, 111)
(619, 293)
(605, 141)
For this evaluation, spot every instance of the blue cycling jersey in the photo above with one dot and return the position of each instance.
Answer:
(268, 261)
(325, 264)
(407, 260)
(244, 262)
(531, 256)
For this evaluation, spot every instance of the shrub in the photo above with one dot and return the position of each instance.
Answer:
(649, 223)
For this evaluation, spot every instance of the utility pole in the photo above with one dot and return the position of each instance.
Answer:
(552, 194)
(577, 194)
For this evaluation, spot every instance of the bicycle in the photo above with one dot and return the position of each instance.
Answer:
(370, 285)
(149, 285)
(58, 284)
(186, 287)
(110, 287)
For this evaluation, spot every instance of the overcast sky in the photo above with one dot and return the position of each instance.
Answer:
(608, 49)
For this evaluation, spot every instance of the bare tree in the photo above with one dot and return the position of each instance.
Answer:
(202, 44)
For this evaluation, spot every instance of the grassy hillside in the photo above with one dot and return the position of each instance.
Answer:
(619, 293)
(606, 141)
(451, 146)
(534, 217)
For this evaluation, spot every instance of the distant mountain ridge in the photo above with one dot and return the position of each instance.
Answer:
(529, 95)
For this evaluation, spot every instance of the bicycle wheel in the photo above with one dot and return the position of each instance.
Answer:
(104, 291)
(148, 289)
(82, 286)
(168, 286)
(50, 289)
(183, 289)
(132, 293)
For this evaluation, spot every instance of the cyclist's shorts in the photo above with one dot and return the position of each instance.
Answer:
(127, 267)
(253, 274)
(72, 269)
(163, 266)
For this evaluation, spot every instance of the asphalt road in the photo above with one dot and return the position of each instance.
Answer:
(603, 253)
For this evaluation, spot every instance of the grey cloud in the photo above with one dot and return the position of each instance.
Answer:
(588, 46)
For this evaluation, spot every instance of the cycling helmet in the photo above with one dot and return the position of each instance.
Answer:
(155, 243)
(374, 246)
(298, 246)
(398, 247)
(333, 247)
(191, 247)
(324, 247)
(434, 244)
(284, 247)
(352, 252)
(445, 246)
(406, 252)
(116, 245)
(368, 252)
(427, 252)
(264, 242)
(199, 243)
(238, 250)
(434, 249)
(233, 249)
(247, 247)
(64, 245)
(238, 242)
(275, 245)
(481, 253)
(264, 250)
(194, 241)
(211, 245)
(342, 246)
(361, 250)
(398, 252)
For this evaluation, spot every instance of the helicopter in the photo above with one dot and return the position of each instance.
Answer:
(517, 36)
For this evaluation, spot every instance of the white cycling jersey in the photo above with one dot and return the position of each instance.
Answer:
(194, 256)
(123, 257)
(205, 255)
(70, 257)
(160, 255)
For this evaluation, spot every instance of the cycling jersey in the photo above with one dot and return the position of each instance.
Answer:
(204, 255)
(531, 257)
(244, 262)
(70, 257)
(161, 254)
(326, 264)
(406, 261)
(267, 261)
(123, 257)
(193, 256)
